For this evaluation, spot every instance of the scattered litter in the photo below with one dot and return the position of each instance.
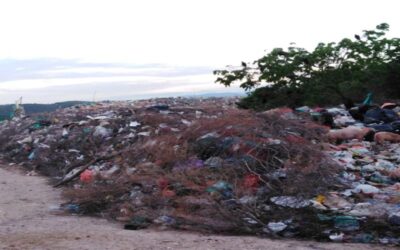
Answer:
(202, 164)
(290, 201)
(276, 226)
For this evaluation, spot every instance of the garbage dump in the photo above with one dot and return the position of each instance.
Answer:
(366, 144)
(204, 165)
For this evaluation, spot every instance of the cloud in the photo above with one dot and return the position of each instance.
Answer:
(114, 91)
(50, 80)
(46, 68)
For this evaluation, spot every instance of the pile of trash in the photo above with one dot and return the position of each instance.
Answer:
(202, 164)
(366, 143)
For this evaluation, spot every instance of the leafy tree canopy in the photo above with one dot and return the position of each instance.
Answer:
(332, 73)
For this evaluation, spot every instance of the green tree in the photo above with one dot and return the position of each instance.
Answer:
(332, 73)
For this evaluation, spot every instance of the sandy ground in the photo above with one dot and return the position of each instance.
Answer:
(26, 223)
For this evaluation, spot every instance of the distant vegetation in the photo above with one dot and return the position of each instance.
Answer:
(7, 110)
(333, 73)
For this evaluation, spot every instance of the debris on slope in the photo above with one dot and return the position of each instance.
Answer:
(205, 165)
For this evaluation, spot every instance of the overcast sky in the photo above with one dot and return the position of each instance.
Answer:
(55, 50)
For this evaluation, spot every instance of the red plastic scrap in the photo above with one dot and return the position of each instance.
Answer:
(318, 109)
(87, 176)
(162, 182)
(251, 181)
(168, 193)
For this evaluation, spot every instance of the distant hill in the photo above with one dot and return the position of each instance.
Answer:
(216, 94)
(32, 108)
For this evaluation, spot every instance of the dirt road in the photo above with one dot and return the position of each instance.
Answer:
(25, 223)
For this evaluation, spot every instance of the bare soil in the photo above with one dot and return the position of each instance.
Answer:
(27, 223)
